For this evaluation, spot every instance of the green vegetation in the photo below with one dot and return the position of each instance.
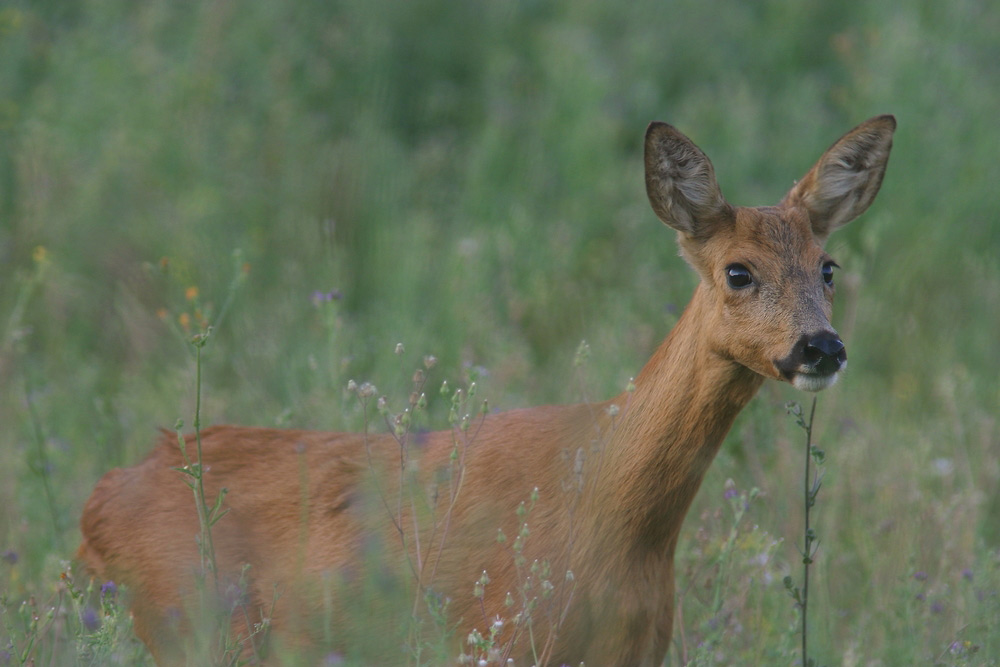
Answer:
(466, 178)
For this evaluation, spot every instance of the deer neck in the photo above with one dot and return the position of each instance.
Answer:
(669, 430)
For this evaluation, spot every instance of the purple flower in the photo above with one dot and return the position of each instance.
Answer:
(937, 607)
(920, 575)
(236, 596)
(319, 297)
(10, 557)
(109, 590)
(90, 619)
(730, 493)
(967, 574)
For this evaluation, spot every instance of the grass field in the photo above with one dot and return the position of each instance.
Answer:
(323, 180)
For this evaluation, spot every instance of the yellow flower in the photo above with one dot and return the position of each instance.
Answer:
(40, 254)
(10, 20)
(191, 293)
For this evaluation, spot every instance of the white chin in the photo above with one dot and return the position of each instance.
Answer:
(812, 382)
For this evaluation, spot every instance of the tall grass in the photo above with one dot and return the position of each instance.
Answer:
(466, 178)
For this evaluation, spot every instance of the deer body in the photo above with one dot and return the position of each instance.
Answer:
(614, 479)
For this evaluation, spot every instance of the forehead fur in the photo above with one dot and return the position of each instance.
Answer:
(760, 236)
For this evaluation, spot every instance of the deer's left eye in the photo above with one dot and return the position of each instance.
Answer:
(828, 273)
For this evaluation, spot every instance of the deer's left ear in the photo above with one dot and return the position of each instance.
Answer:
(845, 180)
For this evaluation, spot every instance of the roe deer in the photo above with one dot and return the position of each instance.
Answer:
(614, 479)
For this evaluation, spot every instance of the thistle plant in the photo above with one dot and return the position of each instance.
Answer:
(14, 336)
(422, 543)
(810, 542)
(217, 606)
(194, 472)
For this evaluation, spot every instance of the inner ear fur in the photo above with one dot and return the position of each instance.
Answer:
(844, 181)
(680, 183)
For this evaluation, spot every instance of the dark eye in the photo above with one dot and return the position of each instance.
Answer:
(738, 276)
(828, 273)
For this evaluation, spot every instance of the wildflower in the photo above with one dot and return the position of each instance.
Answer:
(10, 557)
(967, 574)
(40, 254)
(235, 596)
(185, 321)
(920, 575)
(191, 293)
(109, 590)
(962, 647)
(318, 297)
(91, 621)
(937, 607)
(943, 467)
(10, 20)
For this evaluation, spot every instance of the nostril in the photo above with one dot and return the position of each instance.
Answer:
(826, 353)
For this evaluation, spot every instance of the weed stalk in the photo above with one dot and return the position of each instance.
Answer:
(810, 541)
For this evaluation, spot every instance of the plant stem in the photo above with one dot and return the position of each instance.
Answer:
(207, 548)
(41, 464)
(807, 553)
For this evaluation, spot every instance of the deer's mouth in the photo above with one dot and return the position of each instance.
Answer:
(813, 381)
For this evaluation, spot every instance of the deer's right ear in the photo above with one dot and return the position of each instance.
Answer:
(680, 183)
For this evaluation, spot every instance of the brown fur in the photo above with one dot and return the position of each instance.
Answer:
(615, 479)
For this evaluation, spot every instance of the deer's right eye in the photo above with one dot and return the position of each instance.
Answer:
(738, 276)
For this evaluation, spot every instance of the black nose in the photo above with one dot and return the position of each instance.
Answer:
(825, 353)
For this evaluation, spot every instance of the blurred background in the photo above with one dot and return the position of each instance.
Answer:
(323, 180)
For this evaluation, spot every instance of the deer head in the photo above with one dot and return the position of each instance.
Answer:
(763, 269)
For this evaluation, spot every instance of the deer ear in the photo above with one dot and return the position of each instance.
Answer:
(845, 180)
(680, 183)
